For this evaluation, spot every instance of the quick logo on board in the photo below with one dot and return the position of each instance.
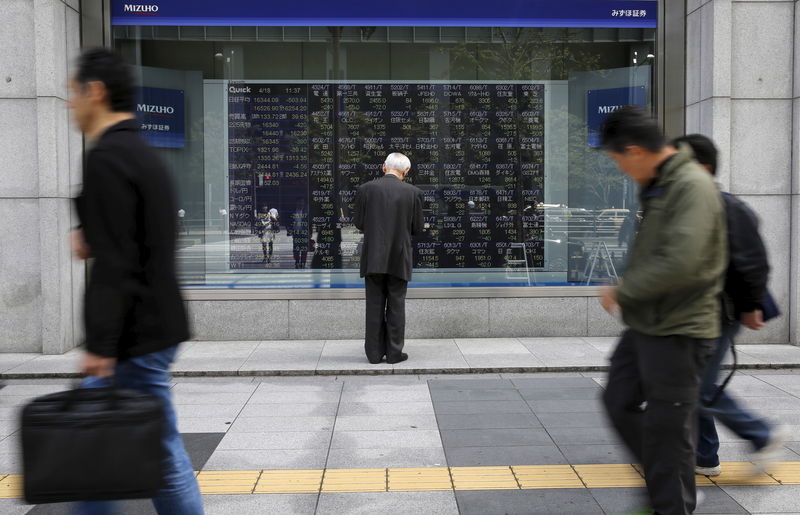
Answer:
(151, 9)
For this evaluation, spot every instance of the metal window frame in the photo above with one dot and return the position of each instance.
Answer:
(670, 109)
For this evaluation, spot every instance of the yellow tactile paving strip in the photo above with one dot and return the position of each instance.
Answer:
(429, 479)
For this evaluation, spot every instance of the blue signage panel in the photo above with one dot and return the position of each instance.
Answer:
(464, 13)
(160, 112)
(601, 102)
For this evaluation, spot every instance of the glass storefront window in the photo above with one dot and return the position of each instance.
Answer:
(269, 130)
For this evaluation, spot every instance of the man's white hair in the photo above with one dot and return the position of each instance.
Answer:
(397, 161)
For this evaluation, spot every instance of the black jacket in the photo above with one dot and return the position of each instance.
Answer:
(128, 213)
(389, 212)
(748, 267)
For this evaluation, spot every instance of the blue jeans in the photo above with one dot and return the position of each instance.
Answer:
(725, 409)
(150, 374)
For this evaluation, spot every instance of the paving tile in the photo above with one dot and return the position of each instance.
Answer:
(208, 410)
(285, 504)
(574, 420)
(219, 350)
(385, 408)
(742, 451)
(276, 440)
(488, 421)
(387, 457)
(204, 424)
(381, 382)
(501, 455)
(777, 354)
(284, 355)
(565, 352)
(202, 385)
(205, 380)
(470, 384)
(200, 446)
(9, 412)
(287, 423)
(491, 437)
(491, 346)
(271, 459)
(389, 503)
(129, 507)
(297, 383)
(392, 396)
(47, 364)
(13, 507)
(291, 397)
(385, 422)
(384, 384)
(432, 354)
(210, 397)
(347, 355)
(765, 499)
(599, 454)
(503, 361)
(584, 435)
(208, 364)
(540, 375)
(553, 383)
(31, 390)
(476, 407)
(528, 502)
(572, 394)
(440, 395)
(315, 409)
(566, 406)
(621, 500)
(380, 439)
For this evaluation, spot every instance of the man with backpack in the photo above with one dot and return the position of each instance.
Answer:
(743, 304)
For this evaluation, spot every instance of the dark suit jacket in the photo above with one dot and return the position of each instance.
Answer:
(128, 213)
(389, 212)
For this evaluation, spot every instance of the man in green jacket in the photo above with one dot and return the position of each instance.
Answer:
(669, 299)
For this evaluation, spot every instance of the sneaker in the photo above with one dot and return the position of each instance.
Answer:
(708, 471)
(766, 456)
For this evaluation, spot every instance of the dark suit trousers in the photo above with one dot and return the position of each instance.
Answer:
(663, 372)
(386, 316)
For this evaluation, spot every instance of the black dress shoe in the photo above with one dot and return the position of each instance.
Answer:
(392, 361)
(377, 362)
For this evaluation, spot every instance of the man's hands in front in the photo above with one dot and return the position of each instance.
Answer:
(608, 299)
(78, 244)
(753, 320)
(98, 366)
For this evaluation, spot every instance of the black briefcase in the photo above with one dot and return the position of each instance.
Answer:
(92, 444)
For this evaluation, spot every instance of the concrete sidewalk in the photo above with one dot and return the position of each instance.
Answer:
(346, 357)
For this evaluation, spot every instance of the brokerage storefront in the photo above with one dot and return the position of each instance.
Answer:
(271, 115)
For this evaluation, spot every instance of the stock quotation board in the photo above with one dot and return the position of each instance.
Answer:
(297, 153)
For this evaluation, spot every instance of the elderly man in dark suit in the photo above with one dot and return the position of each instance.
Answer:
(389, 212)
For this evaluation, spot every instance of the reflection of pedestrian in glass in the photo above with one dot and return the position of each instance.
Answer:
(628, 228)
(268, 227)
(299, 233)
(669, 301)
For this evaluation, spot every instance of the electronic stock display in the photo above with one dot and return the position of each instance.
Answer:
(477, 152)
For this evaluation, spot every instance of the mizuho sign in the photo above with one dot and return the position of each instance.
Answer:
(155, 109)
(139, 8)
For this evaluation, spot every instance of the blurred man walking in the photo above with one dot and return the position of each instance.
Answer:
(669, 301)
(134, 313)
